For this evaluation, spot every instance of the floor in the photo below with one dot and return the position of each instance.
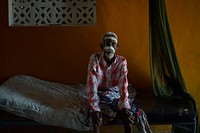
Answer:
(104, 129)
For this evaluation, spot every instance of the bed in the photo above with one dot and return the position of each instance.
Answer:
(26, 100)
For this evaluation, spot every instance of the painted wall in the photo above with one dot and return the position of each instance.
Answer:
(185, 26)
(61, 54)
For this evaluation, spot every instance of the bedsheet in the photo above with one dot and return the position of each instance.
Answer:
(46, 102)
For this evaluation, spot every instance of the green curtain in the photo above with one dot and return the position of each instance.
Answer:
(165, 73)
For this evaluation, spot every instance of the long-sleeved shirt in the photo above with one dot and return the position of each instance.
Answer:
(101, 76)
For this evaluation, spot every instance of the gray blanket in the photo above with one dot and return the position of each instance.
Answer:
(46, 102)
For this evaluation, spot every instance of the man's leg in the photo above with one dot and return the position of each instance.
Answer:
(142, 123)
(97, 121)
(126, 120)
(96, 129)
(127, 128)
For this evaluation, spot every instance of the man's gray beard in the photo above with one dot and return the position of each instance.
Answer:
(109, 54)
(110, 51)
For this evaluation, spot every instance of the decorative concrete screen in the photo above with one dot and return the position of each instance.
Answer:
(52, 12)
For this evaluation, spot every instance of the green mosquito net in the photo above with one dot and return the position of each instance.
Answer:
(165, 72)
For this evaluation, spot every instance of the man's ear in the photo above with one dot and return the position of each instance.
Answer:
(101, 46)
(117, 46)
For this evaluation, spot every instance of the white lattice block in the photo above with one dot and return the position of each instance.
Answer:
(52, 12)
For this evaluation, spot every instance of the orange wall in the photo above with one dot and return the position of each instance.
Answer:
(61, 54)
(185, 25)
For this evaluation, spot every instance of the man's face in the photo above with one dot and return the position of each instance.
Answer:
(109, 48)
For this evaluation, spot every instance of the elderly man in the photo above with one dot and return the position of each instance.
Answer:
(107, 87)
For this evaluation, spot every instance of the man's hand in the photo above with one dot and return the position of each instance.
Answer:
(96, 118)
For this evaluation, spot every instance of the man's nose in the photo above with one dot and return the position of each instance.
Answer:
(109, 44)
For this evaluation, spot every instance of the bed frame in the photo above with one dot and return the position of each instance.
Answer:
(177, 111)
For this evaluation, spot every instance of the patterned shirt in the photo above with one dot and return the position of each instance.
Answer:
(101, 77)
